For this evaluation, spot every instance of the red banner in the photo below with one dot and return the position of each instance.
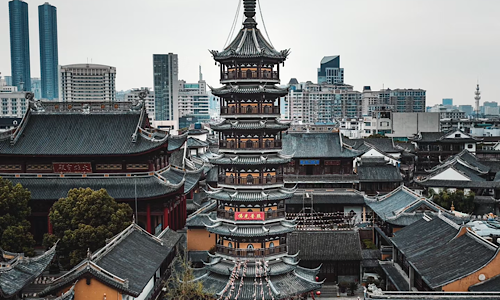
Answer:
(249, 216)
(80, 167)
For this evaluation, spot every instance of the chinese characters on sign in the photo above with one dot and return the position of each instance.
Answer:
(72, 167)
(259, 216)
(309, 162)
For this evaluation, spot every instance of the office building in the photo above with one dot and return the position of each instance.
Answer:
(36, 87)
(8, 80)
(448, 101)
(467, 109)
(87, 82)
(19, 45)
(166, 87)
(397, 100)
(49, 61)
(149, 101)
(13, 103)
(194, 100)
(447, 112)
(330, 71)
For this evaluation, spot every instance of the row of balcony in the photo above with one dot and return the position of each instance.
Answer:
(249, 109)
(250, 180)
(251, 252)
(269, 215)
(259, 145)
(250, 75)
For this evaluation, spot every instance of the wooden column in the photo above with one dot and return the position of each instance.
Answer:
(50, 230)
(148, 215)
(165, 217)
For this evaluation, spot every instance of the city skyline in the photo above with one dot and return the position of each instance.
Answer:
(441, 46)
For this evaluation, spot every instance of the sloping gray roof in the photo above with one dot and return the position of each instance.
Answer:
(325, 246)
(249, 160)
(200, 219)
(80, 134)
(437, 242)
(175, 175)
(316, 145)
(490, 285)
(438, 295)
(250, 125)
(431, 136)
(395, 276)
(118, 187)
(370, 258)
(459, 184)
(269, 89)
(383, 144)
(193, 142)
(21, 271)
(241, 196)
(339, 196)
(379, 173)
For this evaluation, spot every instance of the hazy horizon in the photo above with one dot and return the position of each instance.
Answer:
(442, 46)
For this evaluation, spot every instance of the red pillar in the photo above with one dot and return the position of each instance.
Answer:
(148, 224)
(49, 225)
(185, 212)
(174, 218)
(165, 217)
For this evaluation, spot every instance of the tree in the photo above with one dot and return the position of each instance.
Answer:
(180, 284)
(461, 202)
(84, 220)
(14, 211)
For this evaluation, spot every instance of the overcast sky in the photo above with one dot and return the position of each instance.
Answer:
(443, 46)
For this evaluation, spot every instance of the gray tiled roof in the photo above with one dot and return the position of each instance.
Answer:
(490, 285)
(193, 142)
(370, 258)
(437, 241)
(249, 160)
(249, 125)
(395, 276)
(228, 90)
(271, 195)
(175, 175)
(250, 43)
(80, 134)
(434, 296)
(21, 271)
(430, 136)
(253, 231)
(316, 145)
(176, 142)
(118, 187)
(200, 219)
(338, 196)
(379, 173)
(325, 246)
(459, 184)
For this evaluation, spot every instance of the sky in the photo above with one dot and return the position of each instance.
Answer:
(442, 46)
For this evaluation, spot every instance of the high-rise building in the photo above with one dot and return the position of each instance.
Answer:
(19, 45)
(194, 100)
(36, 87)
(330, 71)
(398, 100)
(250, 227)
(13, 103)
(448, 101)
(166, 88)
(49, 57)
(87, 82)
(322, 103)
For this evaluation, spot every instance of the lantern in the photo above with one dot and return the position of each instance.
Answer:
(318, 293)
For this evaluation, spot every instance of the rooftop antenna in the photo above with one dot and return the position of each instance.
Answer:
(477, 98)
(201, 75)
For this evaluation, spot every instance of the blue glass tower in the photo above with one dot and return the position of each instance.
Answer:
(49, 61)
(19, 45)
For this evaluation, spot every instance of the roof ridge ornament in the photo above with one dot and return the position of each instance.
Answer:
(249, 12)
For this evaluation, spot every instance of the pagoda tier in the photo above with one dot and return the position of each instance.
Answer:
(251, 259)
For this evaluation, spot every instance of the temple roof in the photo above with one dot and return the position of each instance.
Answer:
(226, 159)
(127, 262)
(118, 186)
(17, 271)
(378, 173)
(440, 254)
(257, 89)
(281, 227)
(316, 145)
(336, 196)
(466, 159)
(249, 125)
(84, 134)
(490, 285)
(271, 195)
(193, 142)
(325, 246)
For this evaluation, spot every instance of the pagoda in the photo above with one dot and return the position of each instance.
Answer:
(251, 259)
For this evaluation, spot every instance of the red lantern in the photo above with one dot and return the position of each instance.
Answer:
(317, 278)
(318, 293)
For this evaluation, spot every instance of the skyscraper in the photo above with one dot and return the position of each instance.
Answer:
(166, 87)
(19, 45)
(87, 82)
(330, 71)
(47, 19)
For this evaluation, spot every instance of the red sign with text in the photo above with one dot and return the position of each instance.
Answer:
(82, 167)
(249, 216)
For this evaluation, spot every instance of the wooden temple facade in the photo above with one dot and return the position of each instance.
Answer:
(60, 146)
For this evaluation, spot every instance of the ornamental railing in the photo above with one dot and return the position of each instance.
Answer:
(249, 110)
(251, 252)
(250, 75)
(268, 215)
(260, 145)
(250, 180)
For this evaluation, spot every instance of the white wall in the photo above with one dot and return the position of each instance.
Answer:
(450, 174)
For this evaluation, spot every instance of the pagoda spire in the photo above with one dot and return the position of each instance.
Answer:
(250, 6)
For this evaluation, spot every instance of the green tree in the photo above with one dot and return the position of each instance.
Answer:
(180, 284)
(461, 202)
(84, 220)
(14, 211)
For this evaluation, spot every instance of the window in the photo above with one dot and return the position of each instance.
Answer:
(230, 245)
(250, 246)
(457, 135)
(271, 245)
(469, 146)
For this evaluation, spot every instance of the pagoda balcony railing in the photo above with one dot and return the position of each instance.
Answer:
(250, 110)
(251, 252)
(266, 75)
(269, 215)
(245, 180)
(260, 145)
